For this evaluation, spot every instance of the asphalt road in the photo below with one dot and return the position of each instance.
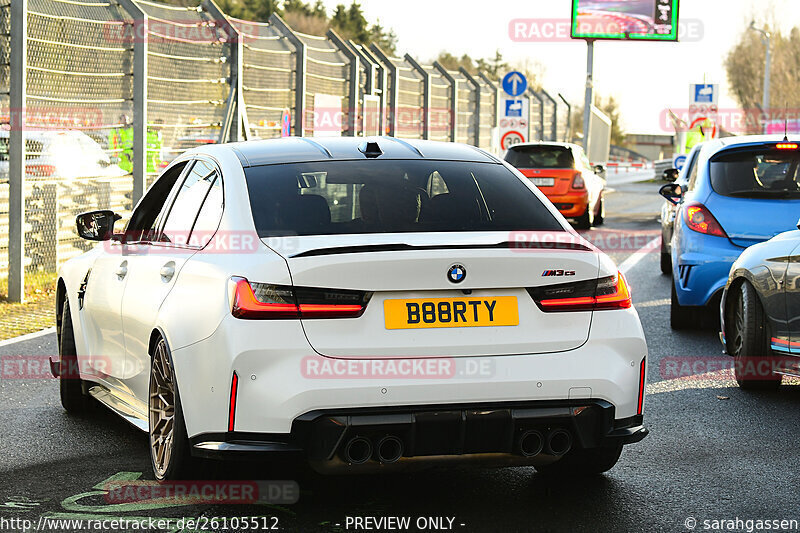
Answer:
(714, 451)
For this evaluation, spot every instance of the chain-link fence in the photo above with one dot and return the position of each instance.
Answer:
(269, 74)
(110, 91)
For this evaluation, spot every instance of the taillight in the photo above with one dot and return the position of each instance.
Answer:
(577, 181)
(264, 301)
(698, 218)
(594, 295)
(786, 146)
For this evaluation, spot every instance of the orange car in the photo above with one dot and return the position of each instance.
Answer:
(563, 173)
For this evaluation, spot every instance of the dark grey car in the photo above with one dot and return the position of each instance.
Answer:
(760, 312)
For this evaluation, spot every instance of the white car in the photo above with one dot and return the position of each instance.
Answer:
(60, 154)
(372, 304)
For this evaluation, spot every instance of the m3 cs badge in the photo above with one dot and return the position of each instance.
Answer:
(557, 273)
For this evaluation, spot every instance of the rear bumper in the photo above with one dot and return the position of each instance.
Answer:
(702, 265)
(486, 433)
(570, 205)
(274, 388)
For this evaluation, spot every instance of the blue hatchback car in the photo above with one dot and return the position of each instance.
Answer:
(740, 191)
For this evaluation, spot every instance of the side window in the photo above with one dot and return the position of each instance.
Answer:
(209, 215)
(186, 207)
(693, 172)
(150, 212)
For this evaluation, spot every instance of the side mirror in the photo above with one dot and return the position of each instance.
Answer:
(96, 225)
(600, 170)
(798, 224)
(672, 193)
(671, 174)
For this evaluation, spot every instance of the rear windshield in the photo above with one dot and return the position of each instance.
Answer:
(763, 173)
(541, 157)
(392, 196)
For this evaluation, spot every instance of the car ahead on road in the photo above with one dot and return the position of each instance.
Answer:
(361, 302)
(563, 173)
(669, 209)
(760, 312)
(741, 191)
(60, 154)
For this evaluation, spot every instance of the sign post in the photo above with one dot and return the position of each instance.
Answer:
(588, 101)
(516, 111)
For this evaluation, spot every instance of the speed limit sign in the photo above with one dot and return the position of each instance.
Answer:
(510, 139)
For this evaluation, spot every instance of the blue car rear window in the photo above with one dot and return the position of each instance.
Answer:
(758, 173)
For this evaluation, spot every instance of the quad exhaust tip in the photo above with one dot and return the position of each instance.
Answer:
(389, 449)
(559, 442)
(357, 451)
(531, 443)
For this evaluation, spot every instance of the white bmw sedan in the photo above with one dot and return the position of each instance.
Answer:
(371, 304)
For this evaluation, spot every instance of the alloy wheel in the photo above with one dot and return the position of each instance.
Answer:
(162, 409)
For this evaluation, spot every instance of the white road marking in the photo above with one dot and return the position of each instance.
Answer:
(638, 255)
(28, 337)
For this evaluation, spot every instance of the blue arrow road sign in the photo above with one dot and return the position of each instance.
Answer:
(514, 83)
(679, 162)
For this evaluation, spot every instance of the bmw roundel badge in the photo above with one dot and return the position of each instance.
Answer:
(457, 273)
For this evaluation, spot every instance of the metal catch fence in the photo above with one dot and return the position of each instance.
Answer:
(98, 96)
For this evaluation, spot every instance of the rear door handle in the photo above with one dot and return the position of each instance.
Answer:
(122, 270)
(167, 271)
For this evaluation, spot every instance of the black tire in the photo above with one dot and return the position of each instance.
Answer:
(600, 217)
(177, 462)
(749, 339)
(70, 383)
(586, 220)
(666, 259)
(589, 462)
(683, 317)
(666, 263)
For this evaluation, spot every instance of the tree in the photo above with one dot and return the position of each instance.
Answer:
(351, 23)
(745, 70)
(257, 10)
(493, 66)
(385, 39)
(451, 62)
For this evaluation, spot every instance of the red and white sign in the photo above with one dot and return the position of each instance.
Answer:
(510, 138)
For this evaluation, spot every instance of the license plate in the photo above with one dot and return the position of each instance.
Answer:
(451, 312)
(544, 182)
